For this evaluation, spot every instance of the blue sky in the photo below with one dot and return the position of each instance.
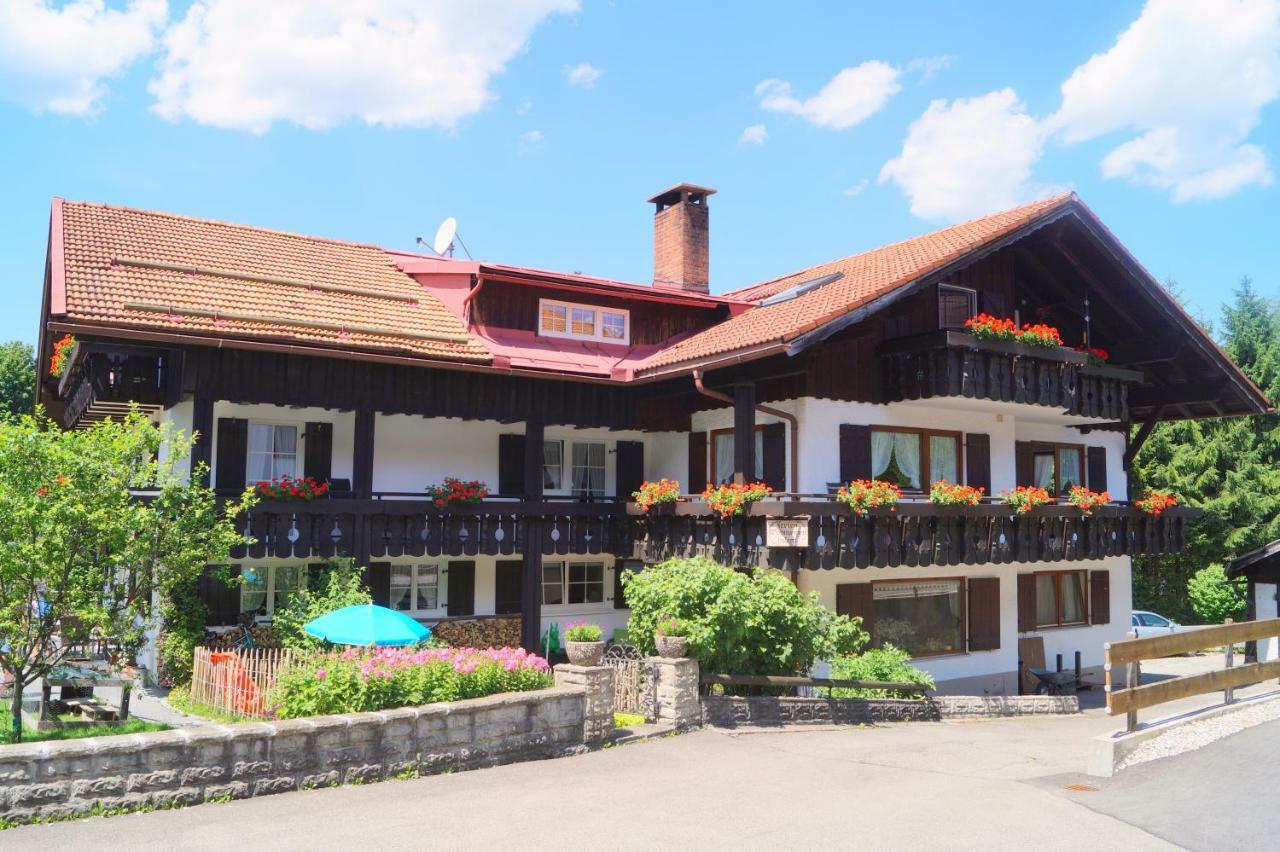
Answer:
(543, 127)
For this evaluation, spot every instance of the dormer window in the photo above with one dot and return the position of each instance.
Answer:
(955, 305)
(583, 322)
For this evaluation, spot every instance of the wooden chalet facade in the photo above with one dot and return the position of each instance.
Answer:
(383, 372)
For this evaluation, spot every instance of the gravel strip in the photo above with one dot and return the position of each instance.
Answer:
(1193, 735)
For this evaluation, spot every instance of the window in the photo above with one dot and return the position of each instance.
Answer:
(263, 590)
(901, 455)
(588, 470)
(1058, 466)
(572, 583)
(583, 322)
(415, 588)
(552, 465)
(722, 455)
(1060, 598)
(273, 451)
(955, 305)
(922, 617)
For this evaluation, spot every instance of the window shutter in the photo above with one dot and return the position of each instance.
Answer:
(855, 599)
(221, 599)
(855, 453)
(511, 465)
(1099, 597)
(629, 566)
(318, 460)
(1026, 602)
(697, 463)
(630, 472)
(773, 440)
(984, 613)
(1097, 469)
(1024, 463)
(508, 586)
(462, 588)
(233, 453)
(977, 461)
(378, 579)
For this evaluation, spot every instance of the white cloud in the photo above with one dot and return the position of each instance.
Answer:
(927, 66)
(1189, 78)
(754, 135)
(245, 64)
(56, 59)
(856, 189)
(582, 75)
(967, 157)
(525, 106)
(852, 96)
(532, 137)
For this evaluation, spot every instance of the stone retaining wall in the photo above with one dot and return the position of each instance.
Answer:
(732, 711)
(188, 766)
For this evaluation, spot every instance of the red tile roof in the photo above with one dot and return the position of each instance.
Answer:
(163, 272)
(861, 278)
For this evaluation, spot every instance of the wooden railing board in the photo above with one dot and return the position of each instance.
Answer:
(1152, 647)
(1161, 692)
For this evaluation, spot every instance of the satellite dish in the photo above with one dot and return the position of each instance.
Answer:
(444, 237)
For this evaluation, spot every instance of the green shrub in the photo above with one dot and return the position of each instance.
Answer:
(357, 680)
(1211, 598)
(583, 632)
(337, 585)
(888, 664)
(738, 623)
(182, 628)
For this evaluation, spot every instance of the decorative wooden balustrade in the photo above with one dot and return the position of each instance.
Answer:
(99, 384)
(394, 527)
(914, 534)
(950, 363)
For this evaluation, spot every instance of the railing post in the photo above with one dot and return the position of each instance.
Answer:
(1229, 694)
(1133, 676)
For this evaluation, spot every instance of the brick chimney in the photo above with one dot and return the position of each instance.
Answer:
(680, 238)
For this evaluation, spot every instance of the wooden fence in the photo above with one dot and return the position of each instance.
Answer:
(236, 682)
(1129, 698)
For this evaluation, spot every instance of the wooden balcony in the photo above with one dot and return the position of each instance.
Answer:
(818, 532)
(102, 382)
(950, 363)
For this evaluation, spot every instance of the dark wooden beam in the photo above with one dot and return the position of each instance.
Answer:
(531, 553)
(362, 455)
(1132, 444)
(744, 432)
(202, 425)
(1179, 394)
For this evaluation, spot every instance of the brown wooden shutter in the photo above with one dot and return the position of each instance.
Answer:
(630, 469)
(855, 452)
(977, 461)
(1099, 597)
(511, 465)
(697, 463)
(318, 459)
(508, 586)
(629, 566)
(1026, 602)
(221, 598)
(1024, 460)
(378, 579)
(773, 440)
(856, 600)
(233, 453)
(1097, 468)
(462, 588)
(984, 613)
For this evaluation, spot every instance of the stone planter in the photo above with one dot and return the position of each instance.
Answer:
(672, 646)
(584, 653)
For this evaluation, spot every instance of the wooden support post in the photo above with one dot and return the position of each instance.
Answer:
(531, 565)
(744, 432)
(1229, 694)
(1134, 676)
(202, 425)
(362, 455)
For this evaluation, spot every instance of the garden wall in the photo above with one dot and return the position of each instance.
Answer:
(183, 767)
(732, 711)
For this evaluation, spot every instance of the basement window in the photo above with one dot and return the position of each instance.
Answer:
(583, 322)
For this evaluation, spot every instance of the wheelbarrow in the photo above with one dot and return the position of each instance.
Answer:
(1055, 683)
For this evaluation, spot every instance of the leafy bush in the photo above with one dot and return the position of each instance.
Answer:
(583, 632)
(1211, 598)
(338, 585)
(738, 623)
(671, 626)
(358, 680)
(182, 628)
(888, 664)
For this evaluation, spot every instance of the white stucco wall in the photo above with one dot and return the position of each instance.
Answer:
(1264, 596)
(343, 429)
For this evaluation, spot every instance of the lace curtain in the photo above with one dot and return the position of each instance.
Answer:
(900, 449)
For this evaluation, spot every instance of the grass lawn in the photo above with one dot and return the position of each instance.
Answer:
(180, 699)
(132, 726)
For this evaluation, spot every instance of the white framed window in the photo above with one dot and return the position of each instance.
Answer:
(583, 322)
(264, 589)
(552, 465)
(552, 583)
(273, 451)
(572, 583)
(415, 588)
(955, 305)
(588, 469)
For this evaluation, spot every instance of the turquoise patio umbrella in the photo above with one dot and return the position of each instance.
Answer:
(367, 624)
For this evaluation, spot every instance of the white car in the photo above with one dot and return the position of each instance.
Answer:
(1151, 624)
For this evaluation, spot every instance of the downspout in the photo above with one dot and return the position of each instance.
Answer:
(466, 300)
(763, 409)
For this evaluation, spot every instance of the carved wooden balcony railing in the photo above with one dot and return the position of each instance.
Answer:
(914, 534)
(949, 363)
(104, 383)
(416, 527)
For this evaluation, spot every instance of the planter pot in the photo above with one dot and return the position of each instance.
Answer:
(672, 646)
(584, 653)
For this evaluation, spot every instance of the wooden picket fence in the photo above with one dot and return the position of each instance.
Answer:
(236, 682)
